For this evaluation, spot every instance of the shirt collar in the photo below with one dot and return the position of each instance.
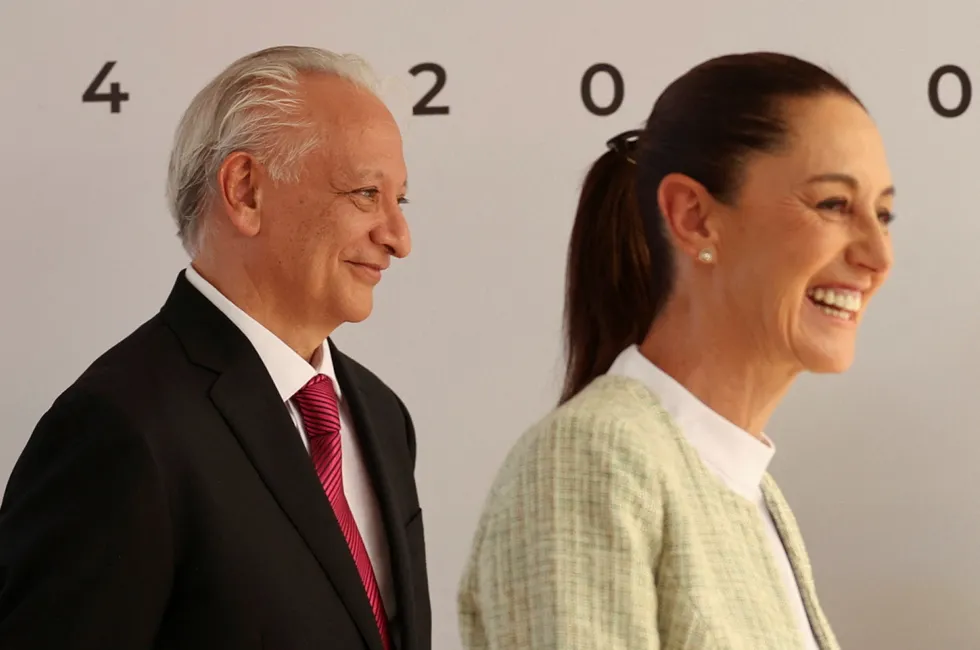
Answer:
(289, 371)
(735, 453)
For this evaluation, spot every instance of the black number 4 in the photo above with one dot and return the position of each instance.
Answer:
(115, 96)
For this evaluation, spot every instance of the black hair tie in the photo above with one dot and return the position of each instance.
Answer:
(625, 143)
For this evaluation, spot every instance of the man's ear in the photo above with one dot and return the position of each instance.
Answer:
(238, 192)
(687, 209)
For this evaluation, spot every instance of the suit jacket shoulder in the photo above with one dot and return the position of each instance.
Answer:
(100, 538)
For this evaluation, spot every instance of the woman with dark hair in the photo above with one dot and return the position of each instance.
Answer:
(730, 245)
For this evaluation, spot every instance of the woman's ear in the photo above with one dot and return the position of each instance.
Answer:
(686, 207)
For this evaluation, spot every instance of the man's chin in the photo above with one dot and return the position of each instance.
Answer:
(358, 311)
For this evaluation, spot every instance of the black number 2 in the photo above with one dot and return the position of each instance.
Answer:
(115, 96)
(422, 106)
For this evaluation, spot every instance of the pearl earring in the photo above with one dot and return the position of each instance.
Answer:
(706, 256)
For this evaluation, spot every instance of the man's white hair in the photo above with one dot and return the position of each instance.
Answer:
(253, 106)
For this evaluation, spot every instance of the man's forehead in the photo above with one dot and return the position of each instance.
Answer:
(340, 103)
(365, 132)
(359, 137)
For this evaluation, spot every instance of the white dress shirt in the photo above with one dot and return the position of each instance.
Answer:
(290, 372)
(738, 458)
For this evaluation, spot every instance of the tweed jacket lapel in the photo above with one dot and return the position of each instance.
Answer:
(792, 539)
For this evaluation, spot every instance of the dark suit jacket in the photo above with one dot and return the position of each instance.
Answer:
(166, 501)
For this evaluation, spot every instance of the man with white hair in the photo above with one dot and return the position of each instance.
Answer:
(225, 477)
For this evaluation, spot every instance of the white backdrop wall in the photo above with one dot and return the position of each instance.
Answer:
(879, 463)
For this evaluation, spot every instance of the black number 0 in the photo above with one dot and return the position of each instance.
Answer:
(422, 106)
(966, 90)
(115, 96)
(618, 89)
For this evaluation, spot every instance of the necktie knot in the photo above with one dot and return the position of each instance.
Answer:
(318, 405)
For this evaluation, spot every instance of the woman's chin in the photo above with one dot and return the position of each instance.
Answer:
(824, 348)
(824, 363)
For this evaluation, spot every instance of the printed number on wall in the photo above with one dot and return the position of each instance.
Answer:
(423, 106)
(965, 88)
(115, 97)
(618, 89)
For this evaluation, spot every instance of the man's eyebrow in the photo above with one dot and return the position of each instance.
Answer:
(370, 174)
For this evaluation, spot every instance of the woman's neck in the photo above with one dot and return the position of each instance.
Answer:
(737, 381)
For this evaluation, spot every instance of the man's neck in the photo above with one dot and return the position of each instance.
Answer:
(257, 300)
(732, 379)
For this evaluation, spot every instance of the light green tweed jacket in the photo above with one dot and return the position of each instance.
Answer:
(604, 531)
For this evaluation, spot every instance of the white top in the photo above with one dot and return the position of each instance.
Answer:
(290, 372)
(738, 458)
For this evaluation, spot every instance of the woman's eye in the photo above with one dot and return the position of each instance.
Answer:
(368, 193)
(840, 205)
(832, 204)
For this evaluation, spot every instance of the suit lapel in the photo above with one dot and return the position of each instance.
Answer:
(792, 539)
(381, 468)
(246, 397)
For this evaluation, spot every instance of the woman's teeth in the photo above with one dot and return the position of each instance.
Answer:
(839, 303)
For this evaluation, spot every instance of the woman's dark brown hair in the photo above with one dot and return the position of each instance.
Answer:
(620, 269)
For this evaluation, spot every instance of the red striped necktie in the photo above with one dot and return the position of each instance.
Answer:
(317, 403)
